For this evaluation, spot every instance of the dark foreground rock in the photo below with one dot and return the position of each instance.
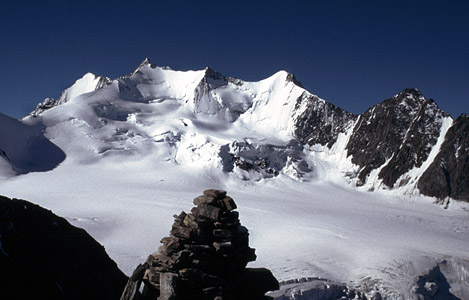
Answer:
(204, 258)
(42, 256)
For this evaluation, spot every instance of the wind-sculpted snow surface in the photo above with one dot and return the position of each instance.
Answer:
(130, 144)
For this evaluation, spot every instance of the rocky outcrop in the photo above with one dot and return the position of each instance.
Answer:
(42, 256)
(448, 175)
(204, 257)
(395, 136)
(265, 160)
(434, 286)
(315, 288)
(320, 122)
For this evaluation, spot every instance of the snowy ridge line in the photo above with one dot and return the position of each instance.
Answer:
(180, 115)
(88, 83)
(131, 153)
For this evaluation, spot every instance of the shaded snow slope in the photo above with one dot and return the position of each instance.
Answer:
(24, 148)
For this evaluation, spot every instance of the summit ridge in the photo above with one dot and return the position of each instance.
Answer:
(204, 118)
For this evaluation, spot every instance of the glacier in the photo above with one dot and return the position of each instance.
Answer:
(131, 152)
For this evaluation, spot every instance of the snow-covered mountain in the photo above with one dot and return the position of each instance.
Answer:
(252, 129)
(119, 157)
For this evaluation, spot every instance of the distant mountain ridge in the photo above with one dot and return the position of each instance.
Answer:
(256, 130)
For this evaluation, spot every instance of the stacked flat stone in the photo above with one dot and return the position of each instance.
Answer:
(204, 258)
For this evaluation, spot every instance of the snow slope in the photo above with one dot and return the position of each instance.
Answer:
(299, 230)
(24, 148)
(138, 149)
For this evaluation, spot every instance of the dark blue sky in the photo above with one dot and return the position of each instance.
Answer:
(351, 53)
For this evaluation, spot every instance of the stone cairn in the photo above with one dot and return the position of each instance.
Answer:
(204, 258)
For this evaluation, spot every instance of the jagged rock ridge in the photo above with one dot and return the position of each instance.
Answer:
(321, 122)
(395, 135)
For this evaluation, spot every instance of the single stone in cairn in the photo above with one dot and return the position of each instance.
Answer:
(204, 258)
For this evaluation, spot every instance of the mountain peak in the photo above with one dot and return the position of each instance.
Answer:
(145, 62)
(411, 93)
(287, 77)
(211, 73)
(291, 78)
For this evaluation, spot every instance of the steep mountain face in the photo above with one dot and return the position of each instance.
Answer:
(320, 122)
(251, 130)
(44, 257)
(395, 136)
(448, 175)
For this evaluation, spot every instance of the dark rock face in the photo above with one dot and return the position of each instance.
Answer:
(267, 159)
(42, 256)
(3, 154)
(41, 107)
(314, 288)
(418, 142)
(204, 258)
(291, 78)
(321, 122)
(434, 286)
(448, 175)
(400, 131)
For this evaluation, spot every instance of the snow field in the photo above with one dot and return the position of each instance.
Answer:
(141, 148)
(298, 229)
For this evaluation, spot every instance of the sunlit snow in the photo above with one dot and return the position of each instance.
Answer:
(139, 149)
